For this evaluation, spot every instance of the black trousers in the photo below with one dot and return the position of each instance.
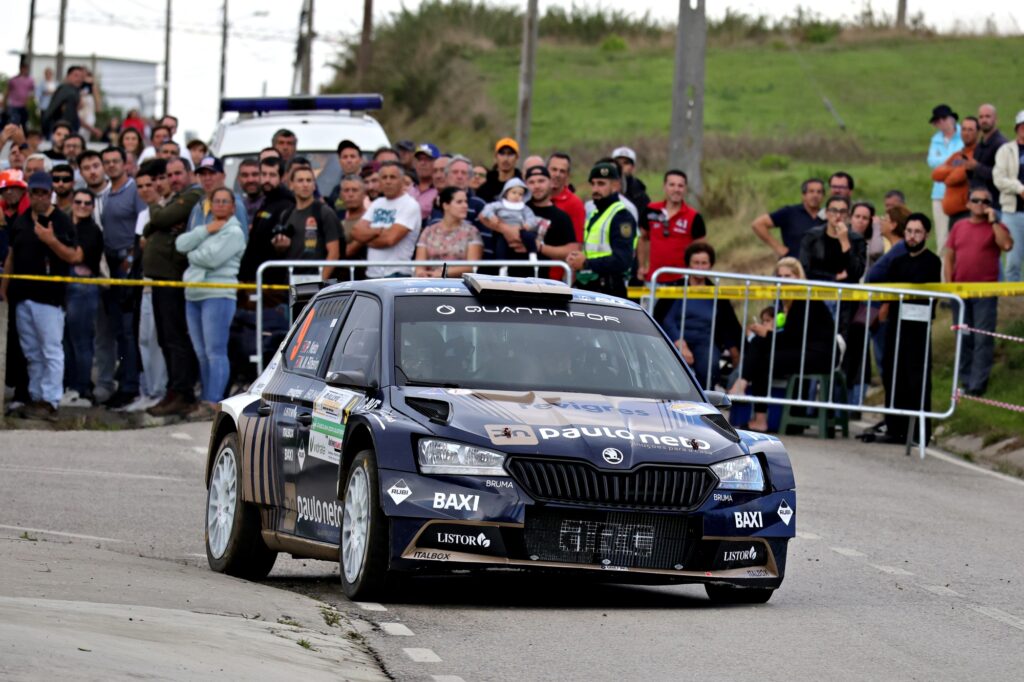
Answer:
(913, 368)
(787, 363)
(17, 365)
(175, 344)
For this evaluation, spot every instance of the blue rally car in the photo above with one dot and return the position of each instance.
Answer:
(421, 425)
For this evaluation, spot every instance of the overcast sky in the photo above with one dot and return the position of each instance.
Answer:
(262, 42)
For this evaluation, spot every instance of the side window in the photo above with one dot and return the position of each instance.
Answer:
(358, 347)
(306, 348)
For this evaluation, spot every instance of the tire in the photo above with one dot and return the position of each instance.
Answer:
(364, 544)
(234, 544)
(727, 594)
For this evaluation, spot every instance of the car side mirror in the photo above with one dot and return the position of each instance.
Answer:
(719, 399)
(349, 378)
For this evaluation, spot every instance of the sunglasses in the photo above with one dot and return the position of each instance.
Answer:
(39, 192)
(62, 178)
(987, 202)
(79, 202)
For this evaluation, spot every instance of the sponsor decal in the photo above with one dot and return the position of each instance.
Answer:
(462, 540)
(445, 310)
(523, 310)
(758, 573)
(324, 446)
(447, 536)
(456, 501)
(740, 555)
(399, 491)
(606, 538)
(722, 497)
(293, 393)
(287, 432)
(499, 484)
(641, 439)
(748, 519)
(289, 454)
(291, 412)
(593, 408)
(511, 434)
(612, 455)
(785, 512)
(690, 408)
(302, 456)
(318, 511)
(432, 556)
(614, 568)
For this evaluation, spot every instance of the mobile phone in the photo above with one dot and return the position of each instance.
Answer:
(44, 220)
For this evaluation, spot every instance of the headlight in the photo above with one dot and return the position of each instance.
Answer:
(742, 473)
(447, 457)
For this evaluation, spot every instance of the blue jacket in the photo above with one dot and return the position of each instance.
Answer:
(939, 150)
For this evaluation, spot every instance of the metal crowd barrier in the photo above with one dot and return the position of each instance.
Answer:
(353, 265)
(794, 289)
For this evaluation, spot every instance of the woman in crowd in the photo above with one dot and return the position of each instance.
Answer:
(862, 219)
(788, 333)
(89, 103)
(82, 304)
(893, 222)
(214, 254)
(111, 134)
(135, 121)
(132, 142)
(453, 238)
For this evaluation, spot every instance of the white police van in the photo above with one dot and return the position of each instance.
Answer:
(319, 122)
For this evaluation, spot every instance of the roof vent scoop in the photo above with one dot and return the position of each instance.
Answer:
(720, 424)
(437, 411)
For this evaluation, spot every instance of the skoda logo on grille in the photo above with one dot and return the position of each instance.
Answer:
(445, 310)
(612, 456)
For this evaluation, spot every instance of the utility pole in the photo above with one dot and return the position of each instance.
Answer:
(223, 47)
(29, 52)
(686, 146)
(307, 57)
(365, 54)
(167, 59)
(60, 39)
(526, 71)
(901, 14)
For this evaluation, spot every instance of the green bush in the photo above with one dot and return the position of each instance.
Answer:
(773, 162)
(613, 44)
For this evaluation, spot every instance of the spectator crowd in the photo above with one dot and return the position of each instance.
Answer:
(145, 207)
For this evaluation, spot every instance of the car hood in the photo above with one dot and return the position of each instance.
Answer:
(577, 425)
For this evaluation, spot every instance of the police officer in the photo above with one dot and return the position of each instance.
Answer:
(609, 237)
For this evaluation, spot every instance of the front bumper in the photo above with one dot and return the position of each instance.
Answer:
(446, 523)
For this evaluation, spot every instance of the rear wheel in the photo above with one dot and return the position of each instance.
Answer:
(234, 544)
(363, 550)
(727, 594)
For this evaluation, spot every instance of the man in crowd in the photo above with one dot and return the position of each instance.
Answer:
(353, 198)
(793, 221)
(391, 227)
(121, 208)
(74, 144)
(157, 136)
(90, 165)
(19, 89)
(953, 175)
(312, 230)
(833, 252)
(670, 227)
(1008, 176)
(607, 254)
(263, 243)
(168, 150)
(171, 123)
(252, 190)
(14, 202)
(944, 143)
(63, 186)
(61, 130)
(350, 160)
(64, 105)
(979, 169)
(406, 150)
(161, 261)
(425, 192)
(43, 243)
(913, 366)
(506, 156)
(560, 167)
(972, 255)
(386, 154)
(152, 188)
(632, 187)
(210, 174)
(616, 187)
(285, 142)
(840, 184)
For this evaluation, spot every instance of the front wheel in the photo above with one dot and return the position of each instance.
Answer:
(234, 544)
(363, 550)
(727, 594)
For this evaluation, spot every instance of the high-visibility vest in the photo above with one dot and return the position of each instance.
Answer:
(596, 239)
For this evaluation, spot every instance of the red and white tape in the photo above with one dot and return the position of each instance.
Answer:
(964, 327)
(960, 395)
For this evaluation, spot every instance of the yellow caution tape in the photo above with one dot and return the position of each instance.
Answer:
(101, 281)
(765, 292)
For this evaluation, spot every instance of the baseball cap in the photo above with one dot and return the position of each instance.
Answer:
(406, 145)
(624, 152)
(942, 111)
(605, 170)
(430, 150)
(210, 163)
(1019, 120)
(537, 170)
(40, 180)
(12, 178)
(507, 142)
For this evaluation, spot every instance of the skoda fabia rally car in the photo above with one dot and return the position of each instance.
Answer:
(421, 425)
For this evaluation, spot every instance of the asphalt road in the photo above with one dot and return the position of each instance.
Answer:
(902, 569)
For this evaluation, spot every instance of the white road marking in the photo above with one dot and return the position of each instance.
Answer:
(941, 590)
(199, 450)
(201, 556)
(446, 678)
(807, 536)
(181, 435)
(370, 606)
(422, 655)
(945, 457)
(90, 472)
(845, 551)
(1000, 615)
(396, 629)
(891, 570)
(43, 531)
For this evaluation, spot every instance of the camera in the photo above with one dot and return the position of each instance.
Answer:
(282, 230)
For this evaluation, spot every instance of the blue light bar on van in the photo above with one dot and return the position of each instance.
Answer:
(262, 105)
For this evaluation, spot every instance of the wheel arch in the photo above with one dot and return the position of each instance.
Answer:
(223, 424)
(358, 437)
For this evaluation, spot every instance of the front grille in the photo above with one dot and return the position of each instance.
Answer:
(650, 486)
(610, 539)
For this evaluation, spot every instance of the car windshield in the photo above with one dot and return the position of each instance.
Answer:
(535, 345)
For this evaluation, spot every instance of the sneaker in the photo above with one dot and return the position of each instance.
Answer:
(13, 406)
(119, 401)
(40, 410)
(101, 395)
(143, 403)
(73, 398)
